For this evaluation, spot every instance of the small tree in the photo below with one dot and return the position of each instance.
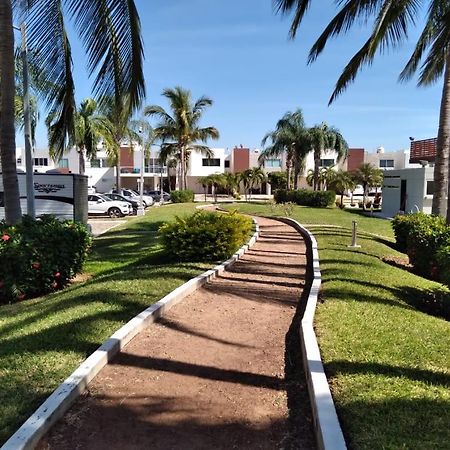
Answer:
(341, 182)
(368, 176)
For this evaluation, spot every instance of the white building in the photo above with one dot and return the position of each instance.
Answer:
(408, 190)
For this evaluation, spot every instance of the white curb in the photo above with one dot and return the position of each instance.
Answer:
(37, 425)
(326, 423)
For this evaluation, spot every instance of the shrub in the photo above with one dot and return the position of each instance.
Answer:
(39, 256)
(422, 235)
(205, 236)
(306, 197)
(443, 262)
(185, 196)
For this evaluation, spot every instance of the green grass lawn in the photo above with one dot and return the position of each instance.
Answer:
(43, 340)
(387, 363)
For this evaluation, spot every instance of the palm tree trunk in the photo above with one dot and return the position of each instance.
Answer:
(441, 166)
(118, 180)
(183, 157)
(316, 169)
(81, 162)
(7, 131)
(288, 175)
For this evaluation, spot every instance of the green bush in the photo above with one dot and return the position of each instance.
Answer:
(422, 235)
(185, 196)
(205, 236)
(39, 256)
(443, 262)
(306, 197)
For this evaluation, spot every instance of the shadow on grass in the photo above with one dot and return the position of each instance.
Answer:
(421, 375)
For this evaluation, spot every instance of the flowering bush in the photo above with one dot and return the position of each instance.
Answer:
(205, 236)
(39, 256)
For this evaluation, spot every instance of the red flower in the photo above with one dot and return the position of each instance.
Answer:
(6, 237)
(57, 275)
(36, 265)
(2, 283)
(21, 297)
(54, 285)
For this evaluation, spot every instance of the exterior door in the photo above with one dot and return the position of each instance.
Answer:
(403, 196)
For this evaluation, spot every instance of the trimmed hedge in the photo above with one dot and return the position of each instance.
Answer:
(40, 256)
(306, 197)
(186, 196)
(205, 236)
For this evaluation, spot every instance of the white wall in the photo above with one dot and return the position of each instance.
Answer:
(72, 156)
(416, 183)
(196, 168)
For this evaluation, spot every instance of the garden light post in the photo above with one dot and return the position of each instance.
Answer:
(354, 235)
(141, 211)
(31, 210)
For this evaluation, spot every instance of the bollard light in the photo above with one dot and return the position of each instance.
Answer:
(354, 235)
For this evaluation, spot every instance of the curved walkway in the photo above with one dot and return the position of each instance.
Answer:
(221, 370)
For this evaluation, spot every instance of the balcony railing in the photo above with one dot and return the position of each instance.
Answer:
(149, 169)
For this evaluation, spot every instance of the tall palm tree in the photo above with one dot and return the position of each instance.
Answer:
(288, 137)
(89, 129)
(124, 129)
(392, 23)
(324, 137)
(180, 131)
(110, 33)
(368, 176)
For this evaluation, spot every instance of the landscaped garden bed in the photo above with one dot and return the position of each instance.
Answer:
(387, 361)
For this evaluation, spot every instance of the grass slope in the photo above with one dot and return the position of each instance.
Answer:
(42, 341)
(388, 363)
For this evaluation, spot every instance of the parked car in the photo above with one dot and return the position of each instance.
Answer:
(156, 195)
(133, 195)
(120, 198)
(100, 204)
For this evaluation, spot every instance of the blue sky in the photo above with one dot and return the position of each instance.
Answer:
(238, 53)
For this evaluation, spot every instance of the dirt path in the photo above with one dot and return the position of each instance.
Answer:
(222, 370)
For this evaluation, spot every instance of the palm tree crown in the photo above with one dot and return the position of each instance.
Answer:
(289, 137)
(110, 33)
(180, 131)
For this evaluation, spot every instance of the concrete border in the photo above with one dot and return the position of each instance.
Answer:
(54, 407)
(326, 423)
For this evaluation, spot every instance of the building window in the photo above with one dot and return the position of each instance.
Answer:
(430, 187)
(327, 162)
(99, 162)
(63, 163)
(19, 161)
(272, 163)
(40, 161)
(95, 163)
(385, 163)
(227, 164)
(211, 162)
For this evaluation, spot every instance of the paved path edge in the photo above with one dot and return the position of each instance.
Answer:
(327, 428)
(54, 407)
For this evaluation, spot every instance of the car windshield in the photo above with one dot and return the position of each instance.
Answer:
(104, 197)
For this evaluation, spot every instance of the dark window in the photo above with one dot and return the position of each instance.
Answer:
(227, 164)
(430, 187)
(2, 200)
(327, 162)
(384, 163)
(40, 162)
(211, 162)
(19, 161)
(95, 163)
(272, 163)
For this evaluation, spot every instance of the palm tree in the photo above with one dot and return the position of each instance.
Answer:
(368, 176)
(89, 129)
(110, 33)
(245, 178)
(119, 112)
(231, 182)
(255, 176)
(341, 182)
(289, 137)
(392, 23)
(180, 131)
(324, 137)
